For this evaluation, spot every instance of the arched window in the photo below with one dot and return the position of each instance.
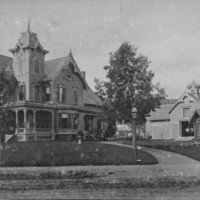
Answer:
(36, 66)
(20, 65)
(185, 100)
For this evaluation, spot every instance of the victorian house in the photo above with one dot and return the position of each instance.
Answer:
(53, 100)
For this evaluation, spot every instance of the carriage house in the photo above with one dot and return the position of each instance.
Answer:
(53, 99)
(180, 120)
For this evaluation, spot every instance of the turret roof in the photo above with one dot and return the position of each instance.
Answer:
(28, 39)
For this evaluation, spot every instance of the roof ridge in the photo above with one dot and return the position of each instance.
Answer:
(56, 58)
(6, 56)
(171, 104)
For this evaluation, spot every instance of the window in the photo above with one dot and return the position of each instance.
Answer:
(68, 121)
(76, 96)
(36, 66)
(47, 93)
(75, 121)
(37, 93)
(20, 65)
(64, 121)
(186, 112)
(22, 92)
(61, 94)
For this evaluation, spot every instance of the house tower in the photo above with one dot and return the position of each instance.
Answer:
(28, 64)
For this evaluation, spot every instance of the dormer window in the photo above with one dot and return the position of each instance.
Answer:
(61, 94)
(36, 66)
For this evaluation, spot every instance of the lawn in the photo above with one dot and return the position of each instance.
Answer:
(70, 154)
(187, 148)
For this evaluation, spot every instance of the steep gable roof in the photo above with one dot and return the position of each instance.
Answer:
(161, 113)
(5, 62)
(180, 99)
(51, 67)
(168, 101)
(54, 67)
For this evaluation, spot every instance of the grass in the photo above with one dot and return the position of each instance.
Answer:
(187, 148)
(70, 154)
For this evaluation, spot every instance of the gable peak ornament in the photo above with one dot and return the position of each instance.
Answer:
(69, 76)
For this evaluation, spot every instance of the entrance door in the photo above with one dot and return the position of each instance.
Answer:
(187, 129)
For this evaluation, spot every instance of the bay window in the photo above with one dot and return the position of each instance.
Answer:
(68, 121)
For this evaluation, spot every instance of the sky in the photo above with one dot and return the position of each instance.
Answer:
(166, 31)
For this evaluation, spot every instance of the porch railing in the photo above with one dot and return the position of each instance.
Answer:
(34, 134)
(34, 130)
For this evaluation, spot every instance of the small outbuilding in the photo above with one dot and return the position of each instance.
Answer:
(179, 120)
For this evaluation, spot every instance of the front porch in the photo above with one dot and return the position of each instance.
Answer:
(33, 124)
(37, 122)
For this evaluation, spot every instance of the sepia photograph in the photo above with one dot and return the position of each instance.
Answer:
(100, 99)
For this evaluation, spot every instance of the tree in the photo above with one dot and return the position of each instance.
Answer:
(8, 85)
(129, 83)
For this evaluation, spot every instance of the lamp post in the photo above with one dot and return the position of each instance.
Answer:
(134, 113)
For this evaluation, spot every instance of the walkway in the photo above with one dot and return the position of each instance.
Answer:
(170, 164)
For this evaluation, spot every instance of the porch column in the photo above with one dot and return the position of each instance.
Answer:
(57, 122)
(195, 131)
(34, 118)
(81, 125)
(16, 121)
(92, 125)
(53, 124)
(25, 118)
